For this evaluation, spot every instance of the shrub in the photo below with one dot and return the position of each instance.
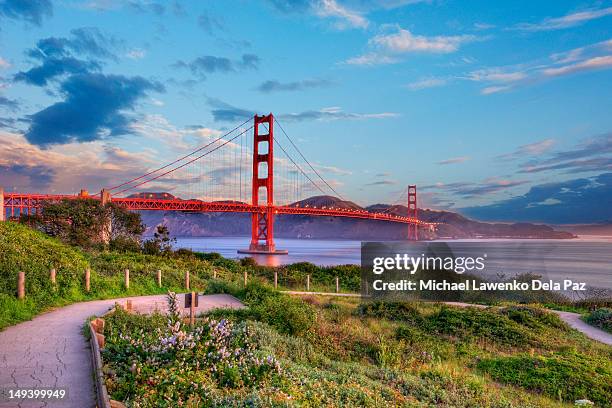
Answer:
(471, 322)
(569, 377)
(601, 318)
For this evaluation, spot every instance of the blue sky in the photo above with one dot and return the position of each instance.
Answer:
(502, 113)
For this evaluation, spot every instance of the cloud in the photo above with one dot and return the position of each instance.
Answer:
(224, 112)
(334, 113)
(531, 149)
(276, 86)
(454, 160)
(33, 11)
(475, 190)
(4, 64)
(209, 64)
(426, 83)
(346, 18)
(136, 54)
(591, 64)
(57, 55)
(496, 75)
(494, 89)
(583, 200)
(9, 104)
(567, 21)
(77, 119)
(398, 41)
(382, 183)
(291, 6)
(593, 154)
(209, 23)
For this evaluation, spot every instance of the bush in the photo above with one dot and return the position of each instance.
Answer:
(568, 377)
(601, 318)
(470, 323)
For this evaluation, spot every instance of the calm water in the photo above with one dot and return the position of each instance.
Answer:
(588, 259)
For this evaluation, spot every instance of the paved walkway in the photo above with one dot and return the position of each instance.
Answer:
(50, 351)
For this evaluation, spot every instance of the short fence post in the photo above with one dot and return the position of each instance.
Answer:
(245, 278)
(87, 280)
(337, 285)
(159, 278)
(127, 278)
(215, 274)
(52, 276)
(21, 285)
(275, 279)
(307, 283)
(187, 280)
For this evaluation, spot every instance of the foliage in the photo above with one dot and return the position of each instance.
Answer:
(86, 222)
(151, 364)
(565, 376)
(601, 318)
(160, 244)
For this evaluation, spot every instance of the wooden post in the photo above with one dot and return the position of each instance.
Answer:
(159, 278)
(21, 285)
(187, 280)
(275, 279)
(245, 278)
(215, 274)
(307, 283)
(337, 285)
(192, 309)
(127, 278)
(52, 276)
(87, 280)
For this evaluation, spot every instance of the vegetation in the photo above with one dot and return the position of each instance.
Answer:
(159, 362)
(24, 249)
(85, 223)
(347, 354)
(601, 318)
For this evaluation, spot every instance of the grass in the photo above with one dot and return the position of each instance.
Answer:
(23, 249)
(601, 318)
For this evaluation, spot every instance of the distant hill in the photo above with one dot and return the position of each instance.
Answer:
(601, 229)
(302, 226)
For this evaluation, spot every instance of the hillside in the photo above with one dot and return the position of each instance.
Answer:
(300, 226)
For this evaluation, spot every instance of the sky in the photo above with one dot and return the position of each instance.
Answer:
(498, 112)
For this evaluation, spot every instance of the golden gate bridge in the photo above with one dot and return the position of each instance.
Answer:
(237, 172)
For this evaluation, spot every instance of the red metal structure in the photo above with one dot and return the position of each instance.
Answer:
(262, 222)
(413, 212)
(262, 208)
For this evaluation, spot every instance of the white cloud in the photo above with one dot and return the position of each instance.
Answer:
(4, 63)
(136, 54)
(346, 18)
(385, 47)
(454, 160)
(426, 83)
(567, 21)
(496, 75)
(403, 41)
(494, 89)
(590, 64)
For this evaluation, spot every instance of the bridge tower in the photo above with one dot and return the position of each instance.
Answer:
(262, 222)
(413, 212)
(2, 209)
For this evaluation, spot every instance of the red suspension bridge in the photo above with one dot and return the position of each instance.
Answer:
(237, 172)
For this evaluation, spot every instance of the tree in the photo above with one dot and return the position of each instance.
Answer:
(86, 222)
(161, 243)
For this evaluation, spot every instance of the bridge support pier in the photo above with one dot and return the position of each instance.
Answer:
(262, 222)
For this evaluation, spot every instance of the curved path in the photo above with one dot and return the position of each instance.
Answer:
(50, 351)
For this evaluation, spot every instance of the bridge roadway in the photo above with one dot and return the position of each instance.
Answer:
(26, 203)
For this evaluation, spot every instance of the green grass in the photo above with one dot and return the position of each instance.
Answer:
(23, 249)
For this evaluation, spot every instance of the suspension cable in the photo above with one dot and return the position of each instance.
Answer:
(177, 160)
(307, 162)
(186, 163)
